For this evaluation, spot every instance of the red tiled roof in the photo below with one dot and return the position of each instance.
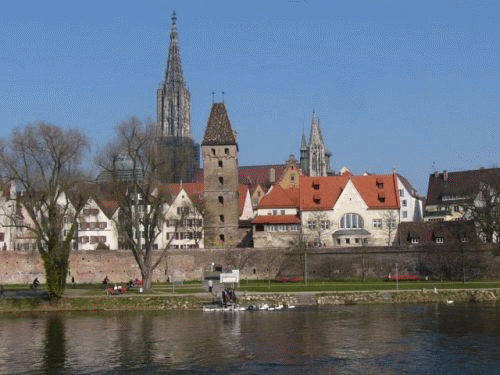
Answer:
(108, 207)
(276, 219)
(242, 189)
(280, 198)
(375, 197)
(321, 193)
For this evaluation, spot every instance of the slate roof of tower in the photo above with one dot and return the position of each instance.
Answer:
(219, 131)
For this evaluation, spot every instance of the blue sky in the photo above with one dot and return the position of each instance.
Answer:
(411, 85)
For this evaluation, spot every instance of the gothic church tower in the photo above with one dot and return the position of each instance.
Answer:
(173, 99)
(315, 157)
(220, 175)
(180, 152)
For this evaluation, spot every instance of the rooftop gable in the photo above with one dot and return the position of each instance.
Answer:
(461, 184)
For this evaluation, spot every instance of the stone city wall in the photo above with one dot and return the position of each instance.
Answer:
(372, 262)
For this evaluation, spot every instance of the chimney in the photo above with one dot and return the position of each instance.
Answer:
(436, 174)
(445, 175)
(272, 176)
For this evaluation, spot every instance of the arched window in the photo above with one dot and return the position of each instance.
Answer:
(351, 221)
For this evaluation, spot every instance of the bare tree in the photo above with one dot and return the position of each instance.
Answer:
(483, 208)
(44, 161)
(141, 199)
(390, 223)
(318, 225)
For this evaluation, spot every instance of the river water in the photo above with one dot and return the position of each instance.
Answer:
(358, 339)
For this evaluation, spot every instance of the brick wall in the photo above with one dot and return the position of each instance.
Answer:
(374, 262)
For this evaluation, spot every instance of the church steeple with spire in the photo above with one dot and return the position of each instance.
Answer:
(315, 157)
(173, 99)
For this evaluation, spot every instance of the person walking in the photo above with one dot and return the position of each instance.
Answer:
(210, 286)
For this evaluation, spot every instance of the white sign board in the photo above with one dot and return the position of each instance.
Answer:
(233, 277)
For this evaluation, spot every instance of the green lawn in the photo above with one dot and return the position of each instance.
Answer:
(263, 286)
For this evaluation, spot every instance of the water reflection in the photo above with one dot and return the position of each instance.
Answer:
(344, 339)
(55, 345)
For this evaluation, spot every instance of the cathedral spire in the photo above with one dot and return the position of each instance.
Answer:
(174, 67)
(173, 107)
(318, 155)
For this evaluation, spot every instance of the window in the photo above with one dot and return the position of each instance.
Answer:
(456, 208)
(271, 228)
(213, 151)
(221, 217)
(220, 163)
(282, 212)
(405, 214)
(222, 237)
(347, 241)
(311, 224)
(357, 240)
(377, 223)
(182, 210)
(351, 221)
(338, 241)
(325, 224)
(401, 193)
(221, 180)
(2, 236)
(414, 240)
(226, 151)
(439, 239)
(275, 212)
(391, 223)
(221, 199)
(403, 203)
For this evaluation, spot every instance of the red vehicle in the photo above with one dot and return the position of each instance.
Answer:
(288, 279)
(404, 277)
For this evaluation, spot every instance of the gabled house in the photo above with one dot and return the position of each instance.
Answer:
(450, 193)
(350, 210)
(97, 225)
(277, 223)
(333, 211)
(184, 217)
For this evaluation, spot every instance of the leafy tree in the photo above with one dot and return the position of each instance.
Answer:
(44, 162)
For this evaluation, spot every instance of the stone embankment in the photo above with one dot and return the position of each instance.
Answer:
(351, 298)
(195, 302)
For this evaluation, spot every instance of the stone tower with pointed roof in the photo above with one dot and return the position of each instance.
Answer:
(315, 157)
(173, 115)
(173, 99)
(220, 175)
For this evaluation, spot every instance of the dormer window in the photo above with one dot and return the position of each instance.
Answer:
(315, 184)
(380, 183)
(381, 197)
(317, 199)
